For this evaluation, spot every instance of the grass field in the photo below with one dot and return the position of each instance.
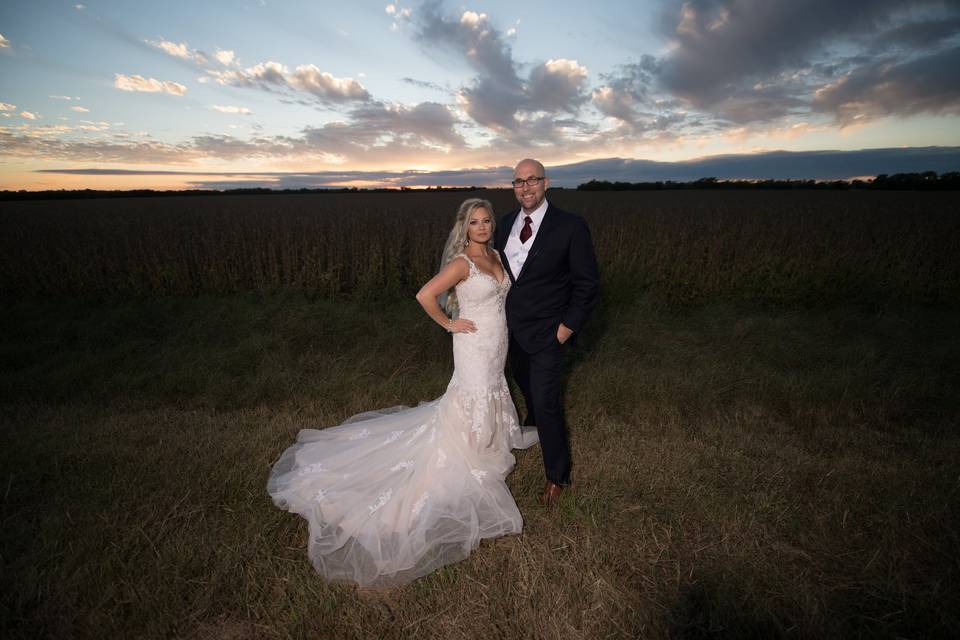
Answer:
(739, 472)
(746, 465)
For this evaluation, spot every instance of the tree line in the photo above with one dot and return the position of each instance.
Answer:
(925, 181)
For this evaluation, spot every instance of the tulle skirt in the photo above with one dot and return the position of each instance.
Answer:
(394, 494)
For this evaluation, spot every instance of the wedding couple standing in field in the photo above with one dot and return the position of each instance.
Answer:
(394, 494)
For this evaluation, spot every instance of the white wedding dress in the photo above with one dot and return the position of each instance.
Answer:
(394, 494)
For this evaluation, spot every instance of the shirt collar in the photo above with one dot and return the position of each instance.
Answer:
(537, 216)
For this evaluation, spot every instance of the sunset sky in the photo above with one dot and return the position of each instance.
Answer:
(290, 93)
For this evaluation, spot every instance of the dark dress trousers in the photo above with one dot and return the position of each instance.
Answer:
(559, 282)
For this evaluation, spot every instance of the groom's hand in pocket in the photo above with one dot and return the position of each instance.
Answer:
(563, 333)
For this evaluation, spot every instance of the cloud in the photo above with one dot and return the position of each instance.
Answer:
(761, 103)
(269, 75)
(4, 43)
(50, 143)
(615, 103)
(229, 148)
(636, 117)
(627, 89)
(261, 75)
(427, 125)
(493, 103)
(6, 106)
(928, 84)
(425, 84)
(180, 50)
(148, 85)
(63, 98)
(558, 85)
(916, 34)
(231, 109)
(742, 61)
(87, 125)
(375, 132)
(718, 43)
(825, 165)
(631, 96)
(325, 86)
(29, 115)
(498, 97)
(399, 15)
(42, 131)
(773, 165)
(224, 56)
(79, 7)
(307, 78)
(80, 109)
(497, 93)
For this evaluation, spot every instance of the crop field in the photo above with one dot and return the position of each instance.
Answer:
(685, 247)
(763, 410)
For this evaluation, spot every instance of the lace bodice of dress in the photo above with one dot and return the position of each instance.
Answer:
(479, 357)
(481, 293)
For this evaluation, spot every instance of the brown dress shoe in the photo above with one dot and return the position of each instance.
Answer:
(551, 493)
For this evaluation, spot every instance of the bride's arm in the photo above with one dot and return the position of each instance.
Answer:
(450, 275)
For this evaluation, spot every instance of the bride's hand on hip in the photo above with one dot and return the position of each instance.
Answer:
(462, 325)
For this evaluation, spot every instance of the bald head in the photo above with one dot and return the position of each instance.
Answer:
(528, 165)
(530, 184)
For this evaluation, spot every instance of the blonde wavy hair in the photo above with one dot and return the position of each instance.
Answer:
(457, 242)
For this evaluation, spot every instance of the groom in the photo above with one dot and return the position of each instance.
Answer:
(549, 256)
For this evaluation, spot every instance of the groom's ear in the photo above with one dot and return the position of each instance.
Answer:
(546, 183)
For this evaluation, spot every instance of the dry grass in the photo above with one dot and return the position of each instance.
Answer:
(739, 473)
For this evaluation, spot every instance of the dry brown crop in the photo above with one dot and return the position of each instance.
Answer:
(683, 246)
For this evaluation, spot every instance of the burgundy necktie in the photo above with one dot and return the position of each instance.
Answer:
(526, 232)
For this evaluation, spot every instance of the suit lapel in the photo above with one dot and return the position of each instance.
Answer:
(506, 224)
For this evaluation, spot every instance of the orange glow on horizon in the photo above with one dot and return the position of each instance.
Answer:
(33, 181)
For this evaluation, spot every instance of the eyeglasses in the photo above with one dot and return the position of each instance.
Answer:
(532, 181)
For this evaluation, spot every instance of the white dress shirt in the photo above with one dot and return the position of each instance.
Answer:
(517, 251)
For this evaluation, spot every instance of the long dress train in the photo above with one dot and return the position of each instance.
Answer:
(394, 494)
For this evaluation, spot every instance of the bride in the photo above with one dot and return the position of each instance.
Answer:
(394, 494)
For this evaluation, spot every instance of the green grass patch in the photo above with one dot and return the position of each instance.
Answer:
(740, 471)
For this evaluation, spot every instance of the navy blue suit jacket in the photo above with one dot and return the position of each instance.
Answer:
(559, 281)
